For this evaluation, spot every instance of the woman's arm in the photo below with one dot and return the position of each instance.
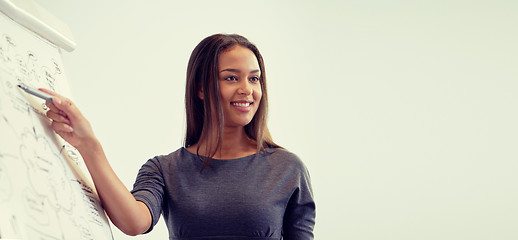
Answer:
(299, 218)
(130, 216)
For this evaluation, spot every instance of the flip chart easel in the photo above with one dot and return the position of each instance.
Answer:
(45, 189)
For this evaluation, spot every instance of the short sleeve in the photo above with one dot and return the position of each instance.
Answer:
(149, 188)
(299, 218)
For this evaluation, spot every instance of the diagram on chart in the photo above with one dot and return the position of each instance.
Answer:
(45, 192)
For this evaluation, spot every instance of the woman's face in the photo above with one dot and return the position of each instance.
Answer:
(240, 88)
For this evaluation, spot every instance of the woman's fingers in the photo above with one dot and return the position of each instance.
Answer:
(55, 111)
(61, 127)
(55, 99)
(67, 120)
(58, 117)
(51, 106)
(63, 106)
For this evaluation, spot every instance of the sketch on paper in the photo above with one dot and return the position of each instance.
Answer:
(44, 192)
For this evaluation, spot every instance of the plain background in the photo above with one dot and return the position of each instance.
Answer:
(405, 112)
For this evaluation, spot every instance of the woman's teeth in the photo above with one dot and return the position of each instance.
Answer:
(241, 104)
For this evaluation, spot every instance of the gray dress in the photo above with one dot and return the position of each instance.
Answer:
(263, 196)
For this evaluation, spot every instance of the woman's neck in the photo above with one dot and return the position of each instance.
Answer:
(235, 144)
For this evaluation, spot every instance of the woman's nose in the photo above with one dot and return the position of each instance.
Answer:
(246, 89)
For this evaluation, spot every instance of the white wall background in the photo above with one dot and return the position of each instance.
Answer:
(405, 112)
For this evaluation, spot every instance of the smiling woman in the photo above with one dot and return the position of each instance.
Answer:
(229, 181)
(226, 82)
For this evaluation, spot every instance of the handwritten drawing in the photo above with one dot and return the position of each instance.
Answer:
(6, 52)
(44, 190)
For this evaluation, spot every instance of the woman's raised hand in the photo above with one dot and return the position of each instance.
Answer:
(68, 122)
(131, 216)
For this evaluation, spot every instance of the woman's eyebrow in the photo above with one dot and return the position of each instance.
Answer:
(238, 71)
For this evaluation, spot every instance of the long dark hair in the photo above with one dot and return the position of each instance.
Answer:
(205, 117)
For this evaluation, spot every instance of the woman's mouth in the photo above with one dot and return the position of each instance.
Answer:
(242, 106)
(239, 104)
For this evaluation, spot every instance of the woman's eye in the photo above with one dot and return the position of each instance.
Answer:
(231, 78)
(254, 79)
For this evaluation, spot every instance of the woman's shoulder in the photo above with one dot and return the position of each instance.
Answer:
(285, 158)
(167, 156)
(279, 152)
(172, 158)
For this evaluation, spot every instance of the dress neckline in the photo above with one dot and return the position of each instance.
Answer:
(222, 159)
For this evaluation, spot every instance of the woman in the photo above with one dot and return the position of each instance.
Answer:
(229, 181)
